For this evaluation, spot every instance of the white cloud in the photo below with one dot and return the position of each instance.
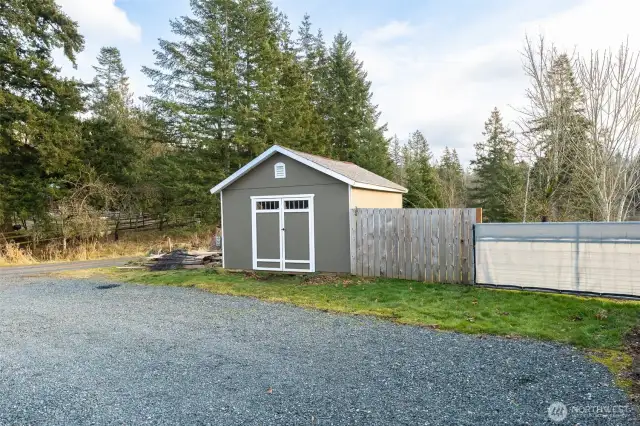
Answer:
(391, 31)
(103, 23)
(446, 86)
(102, 19)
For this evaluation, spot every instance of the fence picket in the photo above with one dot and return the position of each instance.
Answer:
(353, 222)
(421, 246)
(359, 248)
(435, 245)
(457, 275)
(464, 257)
(387, 241)
(382, 268)
(427, 245)
(415, 247)
(365, 242)
(442, 225)
(407, 244)
(400, 225)
(394, 240)
(373, 252)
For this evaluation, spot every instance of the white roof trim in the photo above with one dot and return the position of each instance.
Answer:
(276, 148)
(377, 188)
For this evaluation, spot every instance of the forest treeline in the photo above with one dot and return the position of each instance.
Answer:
(235, 78)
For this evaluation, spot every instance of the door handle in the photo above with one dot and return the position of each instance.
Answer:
(282, 229)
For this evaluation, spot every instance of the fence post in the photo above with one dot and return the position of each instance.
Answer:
(473, 269)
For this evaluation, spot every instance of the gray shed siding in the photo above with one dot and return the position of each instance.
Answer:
(331, 212)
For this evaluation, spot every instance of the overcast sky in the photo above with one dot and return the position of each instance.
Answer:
(437, 66)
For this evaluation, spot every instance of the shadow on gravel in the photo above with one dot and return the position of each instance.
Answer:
(107, 286)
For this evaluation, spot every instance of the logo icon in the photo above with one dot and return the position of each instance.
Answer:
(557, 412)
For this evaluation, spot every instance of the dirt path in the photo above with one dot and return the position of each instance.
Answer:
(44, 268)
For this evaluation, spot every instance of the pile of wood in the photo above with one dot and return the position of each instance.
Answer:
(182, 259)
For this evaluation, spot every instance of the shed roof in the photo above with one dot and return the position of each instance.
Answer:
(349, 173)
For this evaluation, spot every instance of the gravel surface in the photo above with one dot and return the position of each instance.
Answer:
(71, 353)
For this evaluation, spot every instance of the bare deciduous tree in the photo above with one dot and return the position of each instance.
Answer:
(79, 213)
(580, 135)
(611, 84)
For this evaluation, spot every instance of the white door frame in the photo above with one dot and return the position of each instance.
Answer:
(282, 225)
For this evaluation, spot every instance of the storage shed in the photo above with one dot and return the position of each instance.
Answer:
(289, 211)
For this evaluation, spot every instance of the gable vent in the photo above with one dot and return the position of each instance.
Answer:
(280, 171)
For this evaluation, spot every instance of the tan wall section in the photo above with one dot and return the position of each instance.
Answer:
(370, 199)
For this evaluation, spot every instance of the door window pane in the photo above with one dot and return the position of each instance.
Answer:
(296, 204)
(267, 205)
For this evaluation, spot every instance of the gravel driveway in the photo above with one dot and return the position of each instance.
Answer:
(45, 268)
(71, 353)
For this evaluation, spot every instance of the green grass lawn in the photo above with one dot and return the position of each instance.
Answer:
(591, 323)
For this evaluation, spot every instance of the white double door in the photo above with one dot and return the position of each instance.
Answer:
(283, 233)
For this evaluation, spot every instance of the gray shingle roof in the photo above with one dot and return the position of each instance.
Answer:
(350, 170)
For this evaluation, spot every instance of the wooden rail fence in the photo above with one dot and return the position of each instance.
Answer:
(433, 245)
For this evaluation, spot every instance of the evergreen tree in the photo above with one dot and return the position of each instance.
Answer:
(451, 178)
(311, 51)
(38, 127)
(561, 136)
(312, 58)
(352, 117)
(397, 160)
(232, 86)
(498, 179)
(421, 175)
(110, 89)
(111, 142)
(228, 89)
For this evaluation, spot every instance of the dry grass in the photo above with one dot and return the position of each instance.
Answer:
(12, 254)
(129, 244)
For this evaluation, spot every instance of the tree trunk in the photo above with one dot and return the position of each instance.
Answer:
(620, 216)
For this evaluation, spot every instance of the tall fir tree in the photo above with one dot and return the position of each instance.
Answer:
(498, 178)
(397, 160)
(451, 180)
(311, 50)
(421, 175)
(228, 89)
(110, 94)
(311, 55)
(39, 141)
(355, 134)
(112, 146)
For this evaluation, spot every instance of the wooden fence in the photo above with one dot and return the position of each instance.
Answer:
(434, 245)
(113, 222)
